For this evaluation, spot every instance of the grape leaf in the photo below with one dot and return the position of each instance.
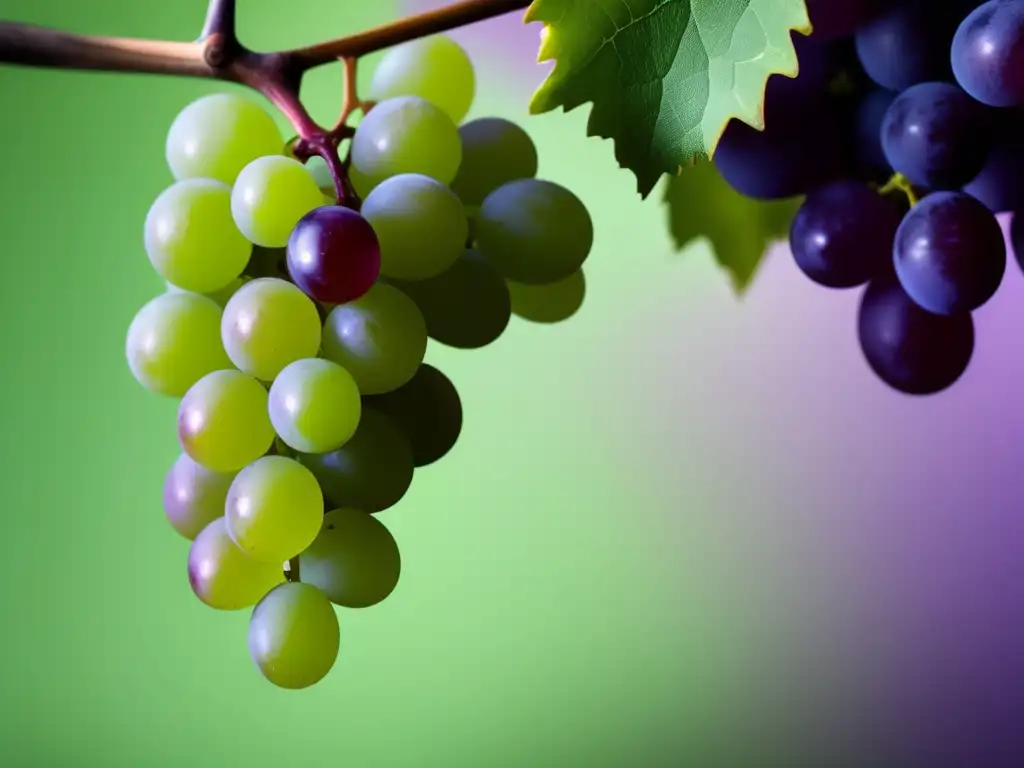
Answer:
(702, 204)
(664, 76)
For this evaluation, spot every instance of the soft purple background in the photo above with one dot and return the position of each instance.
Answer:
(915, 502)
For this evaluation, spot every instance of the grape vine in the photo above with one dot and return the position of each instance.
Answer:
(219, 54)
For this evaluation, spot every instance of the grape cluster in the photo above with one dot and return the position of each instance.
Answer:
(903, 133)
(294, 331)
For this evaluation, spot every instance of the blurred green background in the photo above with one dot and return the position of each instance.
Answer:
(573, 594)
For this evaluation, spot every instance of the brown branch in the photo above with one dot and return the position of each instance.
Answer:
(219, 55)
(32, 46)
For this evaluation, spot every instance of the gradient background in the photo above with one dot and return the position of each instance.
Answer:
(679, 530)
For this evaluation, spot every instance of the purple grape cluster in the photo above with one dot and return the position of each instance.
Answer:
(904, 133)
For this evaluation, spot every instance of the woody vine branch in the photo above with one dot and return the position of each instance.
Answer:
(218, 54)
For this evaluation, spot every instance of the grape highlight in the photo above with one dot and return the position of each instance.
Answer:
(298, 321)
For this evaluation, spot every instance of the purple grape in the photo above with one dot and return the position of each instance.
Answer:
(936, 136)
(908, 348)
(988, 53)
(868, 155)
(832, 19)
(795, 153)
(815, 71)
(949, 253)
(908, 42)
(333, 254)
(842, 235)
(1000, 185)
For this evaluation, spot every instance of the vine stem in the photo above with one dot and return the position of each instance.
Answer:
(219, 55)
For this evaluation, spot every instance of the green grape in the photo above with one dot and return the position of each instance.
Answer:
(270, 195)
(467, 306)
(268, 324)
(223, 576)
(354, 560)
(274, 509)
(314, 405)
(372, 471)
(191, 238)
(420, 224)
(551, 303)
(174, 341)
(534, 231)
(434, 68)
(294, 636)
(317, 167)
(361, 183)
(194, 496)
(380, 338)
(406, 135)
(495, 151)
(220, 297)
(216, 136)
(223, 422)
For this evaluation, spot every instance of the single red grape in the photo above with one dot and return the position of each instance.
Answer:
(333, 254)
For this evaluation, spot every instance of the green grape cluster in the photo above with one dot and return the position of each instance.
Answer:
(300, 418)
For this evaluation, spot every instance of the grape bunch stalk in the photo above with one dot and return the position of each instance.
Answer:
(305, 281)
(904, 132)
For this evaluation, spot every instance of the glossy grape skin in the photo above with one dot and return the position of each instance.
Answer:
(466, 307)
(420, 225)
(268, 324)
(223, 422)
(794, 153)
(334, 254)
(534, 231)
(380, 338)
(909, 349)
(274, 509)
(936, 136)
(551, 303)
(842, 235)
(173, 341)
(949, 253)
(908, 42)
(223, 576)
(194, 496)
(314, 405)
(434, 68)
(217, 135)
(495, 151)
(988, 53)
(371, 472)
(1000, 184)
(406, 135)
(428, 411)
(294, 636)
(868, 154)
(270, 195)
(354, 561)
(191, 238)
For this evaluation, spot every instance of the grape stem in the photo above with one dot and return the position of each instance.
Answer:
(899, 183)
(218, 54)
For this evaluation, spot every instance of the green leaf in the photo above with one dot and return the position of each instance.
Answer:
(740, 229)
(664, 76)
